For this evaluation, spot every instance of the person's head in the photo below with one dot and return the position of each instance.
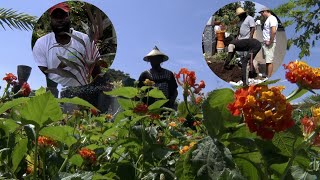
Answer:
(60, 18)
(241, 13)
(155, 57)
(265, 12)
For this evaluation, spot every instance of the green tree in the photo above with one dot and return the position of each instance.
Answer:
(13, 19)
(227, 15)
(304, 16)
(250, 7)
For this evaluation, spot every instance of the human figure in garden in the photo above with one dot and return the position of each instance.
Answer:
(252, 45)
(246, 25)
(46, 52)
(163, 78)
(269, 38)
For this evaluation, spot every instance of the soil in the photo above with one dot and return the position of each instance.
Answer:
(234, 74)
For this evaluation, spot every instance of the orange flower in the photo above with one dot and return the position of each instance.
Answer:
(198, 100)
(310, 125)
(202, 84)
(184, 149)
(196, 123)
(109, 116)
(181, 119)
(44, 142)
(94, 111)
(10, 78)
(265, 109)
(88, 154)
(301, 73)
(25, 89)
(172, 124)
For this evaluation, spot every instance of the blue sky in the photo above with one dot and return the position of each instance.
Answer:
(175, 26)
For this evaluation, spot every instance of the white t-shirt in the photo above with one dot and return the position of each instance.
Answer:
(270, 22)
(46, 55)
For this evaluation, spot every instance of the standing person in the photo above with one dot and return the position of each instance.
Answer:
(163, 78)
(269, 38)
(46, 52)
(251, 45)
(246, 25)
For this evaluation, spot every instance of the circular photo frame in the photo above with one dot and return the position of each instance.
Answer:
(244, 43)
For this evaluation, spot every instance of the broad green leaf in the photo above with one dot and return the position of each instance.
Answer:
(156, 93)
(40, 91)
(157, 104)
(8, 126)
(18, 153)
(299, 173)
(288, 140)
(76, 160)
(136, 119)
(247, 168)
(215, 111)
(109, 176)
(278, 169)
(182, 109)
(41, 109)
(111, 131)
(14, 102)
(125, 103)
(64, 134)
(127, 92)
(270, 152)
(92, 146)
(296, 94)
(76, 101)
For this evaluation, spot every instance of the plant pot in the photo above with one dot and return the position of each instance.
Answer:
(220, 44)
(220, 35)
(23, 72)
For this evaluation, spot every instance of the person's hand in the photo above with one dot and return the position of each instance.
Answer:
(268, 43)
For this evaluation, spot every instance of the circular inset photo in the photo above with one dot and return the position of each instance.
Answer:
(73, 44)
(244, 43)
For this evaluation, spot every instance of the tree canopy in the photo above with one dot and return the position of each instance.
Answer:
(304, 15)
(13, 19)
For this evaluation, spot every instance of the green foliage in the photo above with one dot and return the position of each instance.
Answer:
(250, 8)
(215, 112)
(227, 15)
(303, 15)
(13, 19)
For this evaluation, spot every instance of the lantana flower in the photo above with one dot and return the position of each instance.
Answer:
(88, 154)
(311, 124)
(265, 110)
(10, 78)
(140, 108)
(45, 142)
(148, 82)
(304, 75)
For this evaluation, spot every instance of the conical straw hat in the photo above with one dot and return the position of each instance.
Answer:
(239, 11)
(155, 52)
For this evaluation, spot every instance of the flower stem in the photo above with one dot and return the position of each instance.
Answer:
(36, 156)
(64, 163)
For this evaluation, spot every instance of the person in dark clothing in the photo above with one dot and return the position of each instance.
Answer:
(253, 46)
(163, 78)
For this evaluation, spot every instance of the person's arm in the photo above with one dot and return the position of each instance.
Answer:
(252, 26)
(272, 33)
(252, 29)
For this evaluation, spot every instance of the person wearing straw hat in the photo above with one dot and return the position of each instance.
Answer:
(246, 25)
(269, 38)
(163, 78)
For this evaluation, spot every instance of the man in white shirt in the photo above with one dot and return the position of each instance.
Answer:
(46, 52)
(269, 38)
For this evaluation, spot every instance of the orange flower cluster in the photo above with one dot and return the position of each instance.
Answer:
(140, 108)
(25, 89)
(10, 78)
(301, 73)
(187, 148)
(311, 124)
(45, 142)
(188, 81)
(88, 154)
(265, 109)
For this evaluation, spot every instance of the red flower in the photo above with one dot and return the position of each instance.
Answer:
(88, 154)
(154, 116)
(44, 142)
(199, 100)
(265, 110)
(309, 126)
(140, 108)
(25, 89)
(196, 123)
(94, 111)
(9, 78)
(202, 84)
